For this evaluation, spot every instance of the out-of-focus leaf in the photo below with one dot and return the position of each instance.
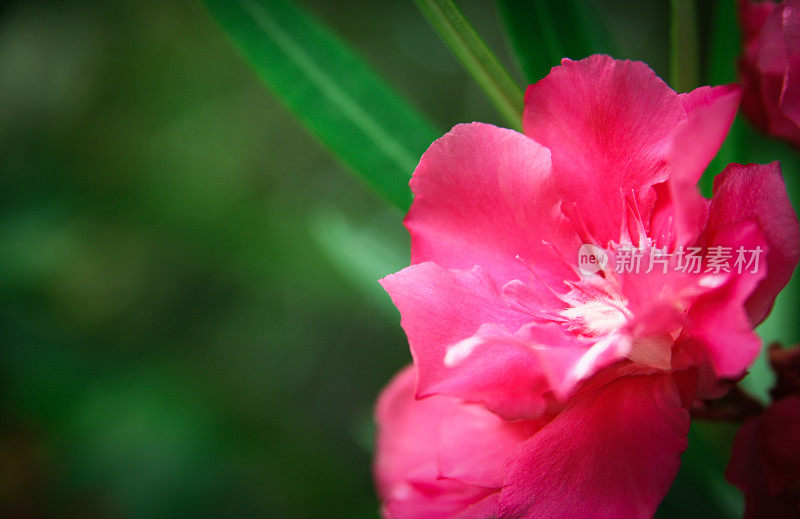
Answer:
(544, 31)
(362, 254)
(760, 377)
(684, 51)
(723, 44)
(477, 58)
(723, 50)
(699, 489)
(360, 118)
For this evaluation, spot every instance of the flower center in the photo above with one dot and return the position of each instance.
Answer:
(596, 317)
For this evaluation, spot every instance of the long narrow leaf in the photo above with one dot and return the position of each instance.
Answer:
(361, 253)
(683, 64)
(723, 44)
(723, 50)
(476, 57)
(360, 118)
(542, 32)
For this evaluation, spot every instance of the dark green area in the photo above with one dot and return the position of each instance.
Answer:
(543, 32)
(176, 341)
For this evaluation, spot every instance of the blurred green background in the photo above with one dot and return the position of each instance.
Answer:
(184, 328)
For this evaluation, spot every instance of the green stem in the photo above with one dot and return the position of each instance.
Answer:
(683, 46)
(476, 57)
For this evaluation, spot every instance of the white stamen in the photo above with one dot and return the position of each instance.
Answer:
(597, 316)
(712, 280)
(461, 350)
(587, 361)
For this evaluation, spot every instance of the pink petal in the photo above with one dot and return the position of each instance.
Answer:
(407, 433)
(475, 444)
(467, 341)
(441, 499)
(757, 192)
(680, 214)
(609, 126)
(752, 18)
(681, 211)
(441, 312)
(769, 66)
(710, 112)
(565, 362)
(485, 196)
(405, 467)
(731, 348)
(790, 96)
(613, 453)
(771, 44)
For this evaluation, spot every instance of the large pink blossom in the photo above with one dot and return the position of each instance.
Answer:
(770, 66)
(542, 392)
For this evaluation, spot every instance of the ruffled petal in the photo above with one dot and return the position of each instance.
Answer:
(681, 210)
(710, 112)
(485, 196)
(460, 332)
(475, 444)
(769, 63)
(790, 95)
(608, 125)
(613, 453)
(406, 470)
(757, 192)
(731, 348)
(752, 17)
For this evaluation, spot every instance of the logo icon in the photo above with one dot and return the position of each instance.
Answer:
(591, 259)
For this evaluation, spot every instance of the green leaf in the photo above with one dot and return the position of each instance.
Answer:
(724, 48)
(684, 51)
(543, 31)
(723, 44)
(476, 57)
(333, 92)
(362, 253)
(699, 489)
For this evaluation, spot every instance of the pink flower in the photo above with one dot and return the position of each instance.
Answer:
(765, 462)
(597, 369)
(770, 66)
(471, 443)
